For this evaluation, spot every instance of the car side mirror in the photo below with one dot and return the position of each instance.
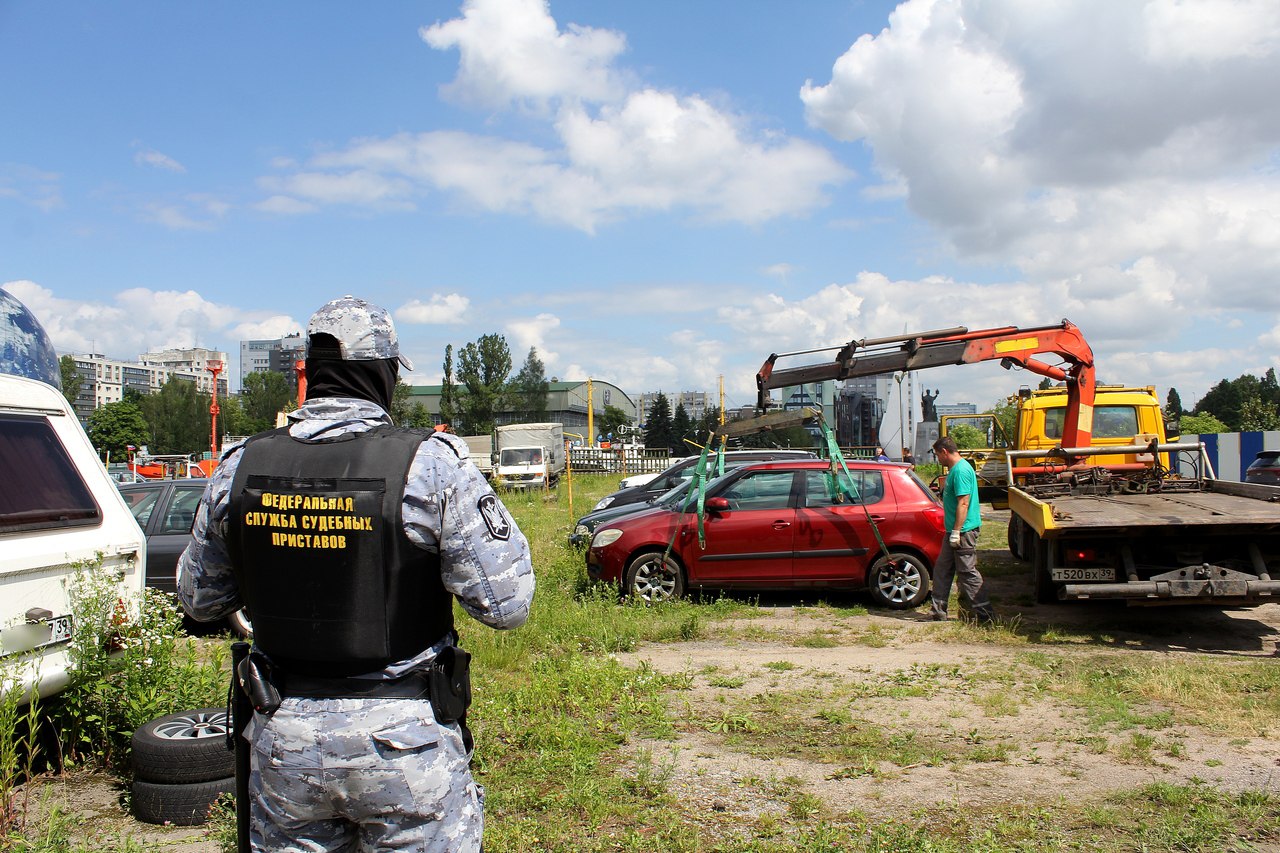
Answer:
(717, 505)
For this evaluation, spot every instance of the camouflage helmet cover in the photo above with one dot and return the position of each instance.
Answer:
(363, 330)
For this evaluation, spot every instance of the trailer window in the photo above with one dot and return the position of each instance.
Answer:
(1108, 422)
(41, 487)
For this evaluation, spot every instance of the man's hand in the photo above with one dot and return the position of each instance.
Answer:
(954, 538)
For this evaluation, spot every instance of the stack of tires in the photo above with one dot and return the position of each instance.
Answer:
(180, 765)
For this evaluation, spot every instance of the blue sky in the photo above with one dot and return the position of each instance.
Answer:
(653, 194)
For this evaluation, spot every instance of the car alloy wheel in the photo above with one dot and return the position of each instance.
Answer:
(182, 748)
(900, 582)
(652, 577)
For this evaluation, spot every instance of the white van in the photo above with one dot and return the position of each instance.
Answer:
(58, 508)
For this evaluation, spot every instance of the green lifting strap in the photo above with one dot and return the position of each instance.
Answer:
(697, 483)
(835, 484)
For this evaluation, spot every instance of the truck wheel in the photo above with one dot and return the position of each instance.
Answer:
(1018, 538)
(899, 582)
(1046, 589)
(190, 746)
(652, 579)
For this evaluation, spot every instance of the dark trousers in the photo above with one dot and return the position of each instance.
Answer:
(960, 565)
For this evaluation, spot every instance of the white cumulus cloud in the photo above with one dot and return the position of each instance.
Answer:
(441, 308)
(620, 148)
(1066, 136)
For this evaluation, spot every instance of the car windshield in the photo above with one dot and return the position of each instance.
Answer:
(522, 456)
(671, 498)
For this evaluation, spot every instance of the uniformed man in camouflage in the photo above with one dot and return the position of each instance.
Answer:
(347, 539)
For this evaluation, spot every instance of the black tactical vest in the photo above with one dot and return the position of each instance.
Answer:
(318, 549)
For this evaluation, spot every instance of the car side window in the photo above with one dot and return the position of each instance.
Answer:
(182, 511)
(141, 503)
(763, 490)
(867, 487)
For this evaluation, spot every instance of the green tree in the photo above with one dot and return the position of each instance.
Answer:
(657, 426)
(1006, 415)
(614, 420)
(179, 417)
(115, 426)
(231, 418)
(1202, 425)
(966, 436)
(483, 368)
(449, 394)
(529, 388)
(1258, 414)
(404, 412)
(265, 394)
(1173, 404)
(681, 428)
(70, 379)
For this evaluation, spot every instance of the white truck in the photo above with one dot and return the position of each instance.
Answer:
(59, 510)
(480, 449)
(528, 456)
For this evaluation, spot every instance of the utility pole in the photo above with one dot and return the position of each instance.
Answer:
(591, 415)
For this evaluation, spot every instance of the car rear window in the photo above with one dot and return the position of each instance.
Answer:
(41, 487)
(867, 487)
(1266, 459)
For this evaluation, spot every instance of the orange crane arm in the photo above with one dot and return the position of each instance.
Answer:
(918, 350)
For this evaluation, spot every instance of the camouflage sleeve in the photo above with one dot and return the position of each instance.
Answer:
(206, 586)
(484, 558)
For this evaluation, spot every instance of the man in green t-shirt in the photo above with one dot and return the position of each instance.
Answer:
(959, 554)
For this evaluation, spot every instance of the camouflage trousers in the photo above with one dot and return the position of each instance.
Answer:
(361, 774)
(960, 565)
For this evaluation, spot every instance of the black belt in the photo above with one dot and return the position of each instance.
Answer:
(415, 685)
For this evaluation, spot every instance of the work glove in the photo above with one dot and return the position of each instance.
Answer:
(954, 538)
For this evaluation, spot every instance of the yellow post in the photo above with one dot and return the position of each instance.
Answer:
(721, 399)
(568, 468)
(591, 412)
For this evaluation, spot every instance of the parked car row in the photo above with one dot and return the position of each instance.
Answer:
(779, 525)
(165, 510)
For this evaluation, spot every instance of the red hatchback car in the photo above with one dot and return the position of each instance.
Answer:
(780, 525)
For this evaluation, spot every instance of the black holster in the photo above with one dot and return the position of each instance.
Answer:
(450, 684)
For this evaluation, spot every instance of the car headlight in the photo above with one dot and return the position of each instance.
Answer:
(606, 537)
(604, 502)
(582, 530)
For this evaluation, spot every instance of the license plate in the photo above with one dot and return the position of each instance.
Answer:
(1090, 574)
(59, 630)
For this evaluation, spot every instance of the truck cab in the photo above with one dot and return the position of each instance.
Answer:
(1122, 415)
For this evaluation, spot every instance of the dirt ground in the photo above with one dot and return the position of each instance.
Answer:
(1047, 750)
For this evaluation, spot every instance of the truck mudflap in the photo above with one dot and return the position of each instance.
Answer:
(1190, 585)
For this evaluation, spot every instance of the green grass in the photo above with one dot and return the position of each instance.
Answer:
(577, 750)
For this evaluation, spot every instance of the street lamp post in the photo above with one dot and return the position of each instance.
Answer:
(902, 410)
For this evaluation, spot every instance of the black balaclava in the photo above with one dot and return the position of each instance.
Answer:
(373, 380)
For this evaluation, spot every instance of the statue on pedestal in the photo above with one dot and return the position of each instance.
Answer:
(930, 411)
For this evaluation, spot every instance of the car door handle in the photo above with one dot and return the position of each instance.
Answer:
(781, 525)
(877, 518)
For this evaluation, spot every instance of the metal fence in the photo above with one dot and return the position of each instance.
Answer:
(596, 460)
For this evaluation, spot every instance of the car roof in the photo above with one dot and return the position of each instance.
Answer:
(821, 465)
(157, 483)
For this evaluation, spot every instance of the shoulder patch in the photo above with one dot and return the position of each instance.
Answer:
(495, 517)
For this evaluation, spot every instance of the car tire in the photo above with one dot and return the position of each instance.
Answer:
(1046, 589)
(179, 805)
(183, 748)
(653, 578)
(240, 624)
(899, 581)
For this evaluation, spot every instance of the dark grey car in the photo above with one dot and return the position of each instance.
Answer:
(1264, 469)
(165, 510)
